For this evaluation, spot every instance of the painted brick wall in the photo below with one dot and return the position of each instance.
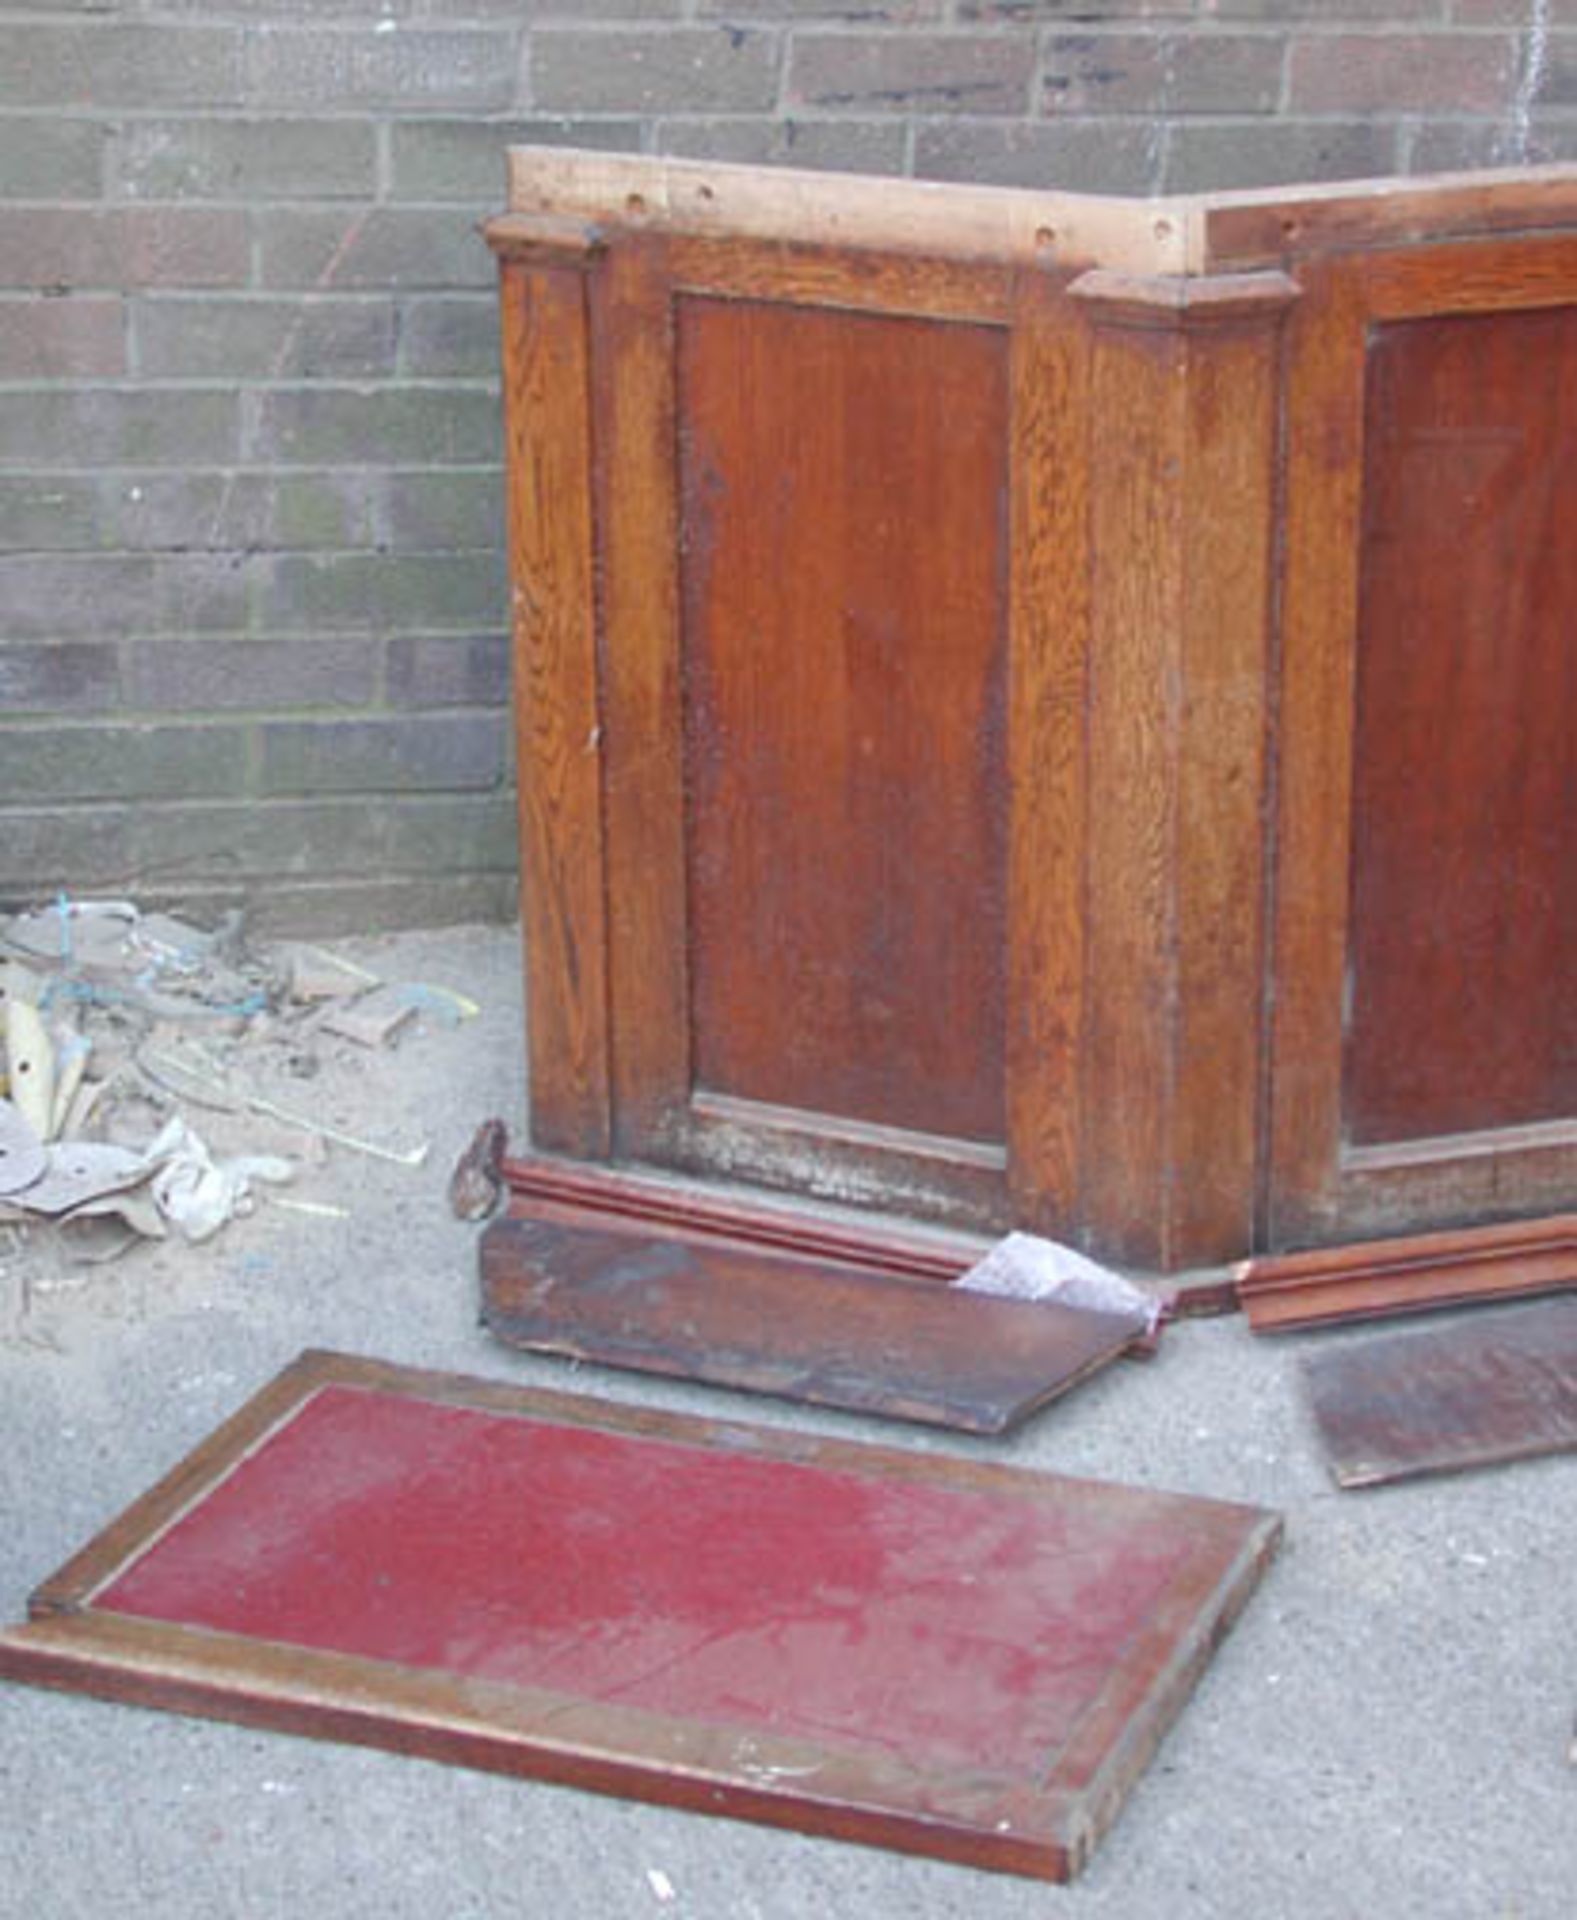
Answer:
(251, 594)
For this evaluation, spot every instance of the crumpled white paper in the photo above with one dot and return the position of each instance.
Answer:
(198, 1194)
(1025, 1267)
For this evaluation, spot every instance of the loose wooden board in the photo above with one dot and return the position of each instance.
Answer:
(949, 1657)
(1501, 1387)
(802, 1329)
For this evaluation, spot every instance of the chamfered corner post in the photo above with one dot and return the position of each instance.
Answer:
(1182, 419)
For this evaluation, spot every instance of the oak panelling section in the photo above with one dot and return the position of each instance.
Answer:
(637, 521)
(1464, 902)
(1319, 1185)
(546, 401)
(844, 535)
(1048, 688)
(852, 1162)
(1135, 456)
(1229, 496)
(1182, 477)
(826, 277)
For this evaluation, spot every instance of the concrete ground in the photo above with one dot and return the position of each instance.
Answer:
(1384, 1733)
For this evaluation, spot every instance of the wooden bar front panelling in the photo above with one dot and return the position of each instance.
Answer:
(1048, 691)
(1081, 698)
(843, 542)
(1422, 988)
(1181, 475)
(1464, 939)
(638, 663)
(546, 401)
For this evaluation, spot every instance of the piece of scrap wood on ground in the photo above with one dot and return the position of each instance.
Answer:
(1502, 1386)
(1372, 1279)
(949, 1657)
(910, 1349)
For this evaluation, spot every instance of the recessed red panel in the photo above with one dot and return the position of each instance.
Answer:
(948, 1626)
(945, 1655)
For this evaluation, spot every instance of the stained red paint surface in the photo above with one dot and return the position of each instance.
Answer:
(951, 1627)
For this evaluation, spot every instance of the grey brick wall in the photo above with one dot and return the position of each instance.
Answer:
(251, 595)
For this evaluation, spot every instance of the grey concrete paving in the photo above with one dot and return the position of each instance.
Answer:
(1384, 1734)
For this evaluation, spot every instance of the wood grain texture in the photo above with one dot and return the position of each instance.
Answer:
(1409, 1274)
(828, 1156)
(1323, 413)
(592, 1196)
(1204, 233)
(1182, 463)
(770, 1322)
(778, 271)
(1136, 459)
(1265, 226)
(1321, 1183)
(847, 212)
(1464, 889)
(637, 523)
(1460, 1179)
(1054, 996)
(844, 546)
(547, 427)
(1230, 498)
(1478, 1393)
(1048, 692)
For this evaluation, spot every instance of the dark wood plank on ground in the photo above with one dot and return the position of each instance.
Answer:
(1502, 1386)
(801, 1329)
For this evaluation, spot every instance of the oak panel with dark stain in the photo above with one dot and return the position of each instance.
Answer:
(843, 580)
(547, 424)
(1464, 901)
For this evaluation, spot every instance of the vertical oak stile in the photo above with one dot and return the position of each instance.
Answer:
(1049, 623)
(1182, 500)
(1231, 503)
(1135, 553)
(558, 762)
(1324, 459)
(633, 416)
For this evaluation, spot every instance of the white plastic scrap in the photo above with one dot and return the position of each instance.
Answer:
(30, 1055)
(198, 1194)
(1025, 1267)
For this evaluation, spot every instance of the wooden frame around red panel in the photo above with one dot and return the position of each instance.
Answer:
(1315, 1186)
(1045, 1825)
